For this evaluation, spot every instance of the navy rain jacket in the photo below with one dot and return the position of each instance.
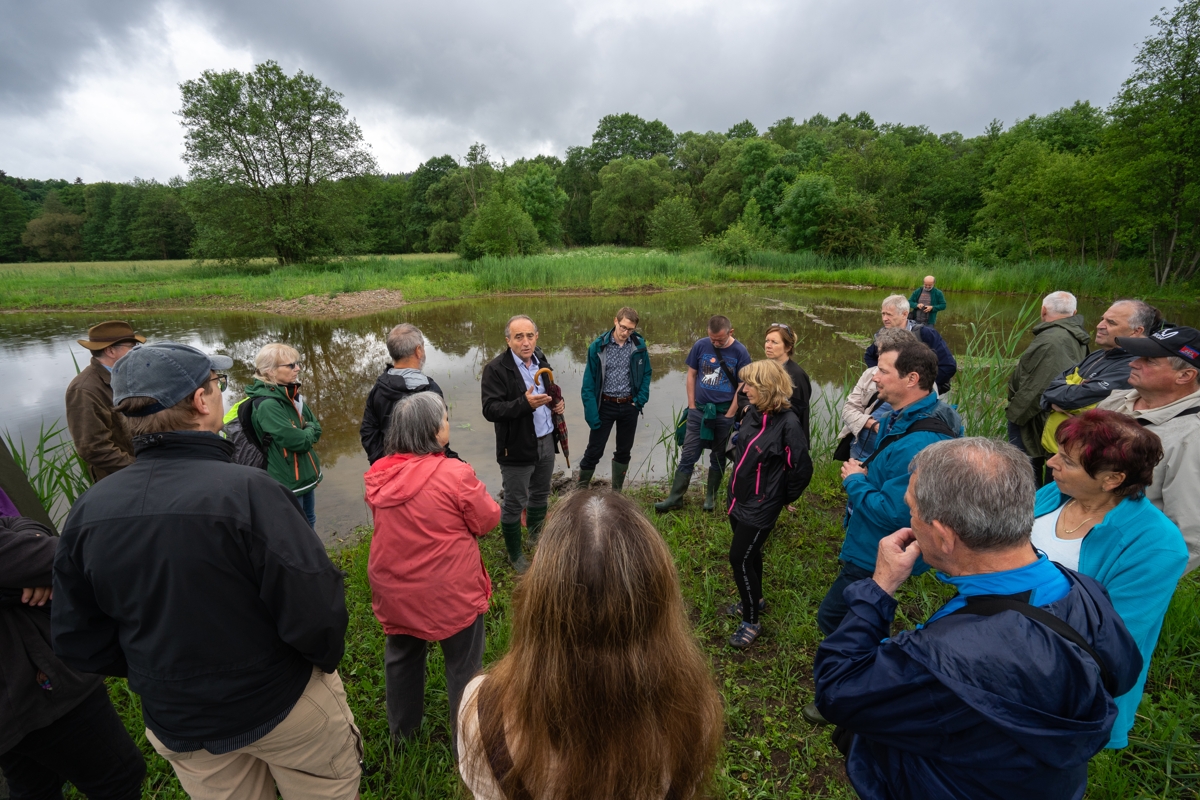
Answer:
(970, 706)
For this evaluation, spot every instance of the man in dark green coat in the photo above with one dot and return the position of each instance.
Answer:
(1059, 342)
(926, 302)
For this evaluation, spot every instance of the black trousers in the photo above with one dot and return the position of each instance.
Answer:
(745, 559)
(404, 672)
(625, 417)
(87, 746)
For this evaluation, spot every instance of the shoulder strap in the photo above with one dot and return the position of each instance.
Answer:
(495, 744)
(733, 381)
(244, 415)
(925, 424)
(1187, 412)
(988, 605)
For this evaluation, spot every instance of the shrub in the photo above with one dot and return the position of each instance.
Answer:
(674, 225)
(501, 228)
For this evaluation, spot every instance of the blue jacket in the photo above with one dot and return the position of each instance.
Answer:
(593, 376)
(972, 706)
(1137, 555)
(875, 504)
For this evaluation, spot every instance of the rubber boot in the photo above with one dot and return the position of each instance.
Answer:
(512, 543)
(678, 490)
(618, 478)
(585, 478)
(534, 517)
(710, 491)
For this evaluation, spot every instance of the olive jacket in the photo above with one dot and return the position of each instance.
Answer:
(99, 432)
(1057, 346)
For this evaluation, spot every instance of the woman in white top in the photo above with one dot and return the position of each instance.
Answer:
(604, 692)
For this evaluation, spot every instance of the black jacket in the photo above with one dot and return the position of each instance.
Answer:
(1103, 372)
(801, 395)
(504, 404)
(26, 561)
(771, 467)
(201, 581)
(388, 390)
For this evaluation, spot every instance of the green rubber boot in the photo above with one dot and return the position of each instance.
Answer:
(585, 478)
(678, 490)
(710, 492)
(534, 517)
(512, 543)
(618, 478)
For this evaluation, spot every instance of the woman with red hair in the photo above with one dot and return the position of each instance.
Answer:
(1095, 519)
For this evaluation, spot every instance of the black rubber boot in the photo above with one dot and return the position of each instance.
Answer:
(585, 478)
(678, 490)
(512, 543)
(618, 478)
(534, 517)
(710, 492)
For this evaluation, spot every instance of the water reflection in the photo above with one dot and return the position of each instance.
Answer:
(342, 359)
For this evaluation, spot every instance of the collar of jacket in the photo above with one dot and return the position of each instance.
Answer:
(183, 444)
(1074, 321)
(901, 419)
(104, 372)
(1041, 577)
(510, 358)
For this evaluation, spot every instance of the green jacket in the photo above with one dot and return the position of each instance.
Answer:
(291, 459)
(593, 376)
(1057, 346)
(936, 299)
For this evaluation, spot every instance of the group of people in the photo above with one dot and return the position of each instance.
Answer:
(202, 581)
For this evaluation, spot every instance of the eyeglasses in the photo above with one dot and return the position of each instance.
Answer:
(783, 325)
(222, 381)
(626, 328)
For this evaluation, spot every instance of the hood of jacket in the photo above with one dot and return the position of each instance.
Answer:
(1073, 325)
(275, 391)
(395, 384)
(929, 406)
(398, 478)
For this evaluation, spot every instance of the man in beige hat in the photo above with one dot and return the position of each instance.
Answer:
(98, 431)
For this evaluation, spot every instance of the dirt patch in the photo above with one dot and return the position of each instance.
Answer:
(348, 304)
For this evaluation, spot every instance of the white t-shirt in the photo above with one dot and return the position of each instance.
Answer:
(1045, 538)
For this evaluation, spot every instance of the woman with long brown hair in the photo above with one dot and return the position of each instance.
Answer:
(604, 692)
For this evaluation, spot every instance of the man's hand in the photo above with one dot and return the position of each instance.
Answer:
(873, 424)
(536, 400)
(853, 467)
(37, 595)
(895, 559)
(558, 409)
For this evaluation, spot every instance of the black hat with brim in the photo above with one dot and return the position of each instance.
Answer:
(1181, 342)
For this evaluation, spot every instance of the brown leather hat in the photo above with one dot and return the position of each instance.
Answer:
(109, 333)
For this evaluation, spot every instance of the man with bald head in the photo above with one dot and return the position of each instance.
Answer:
(926, 302)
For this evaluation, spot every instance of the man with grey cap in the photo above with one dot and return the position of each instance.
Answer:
(96, 429)
(1165, 399)
(201, 581)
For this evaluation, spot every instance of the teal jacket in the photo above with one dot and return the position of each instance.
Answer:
(936, 299)
(875, 505)
(593, 376)
(1137, 555)
(291, 459)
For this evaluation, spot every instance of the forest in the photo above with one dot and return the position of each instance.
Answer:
(1081, 185)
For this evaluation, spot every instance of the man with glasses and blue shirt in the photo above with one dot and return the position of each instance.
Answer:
(616, 386)
(99, 436)
(519, 407)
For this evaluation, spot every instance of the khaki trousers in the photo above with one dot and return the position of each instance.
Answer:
(314, 754)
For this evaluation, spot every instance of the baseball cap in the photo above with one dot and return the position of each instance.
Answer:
(1181, 342)
(165, 371)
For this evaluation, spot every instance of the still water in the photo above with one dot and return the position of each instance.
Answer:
(341, 360)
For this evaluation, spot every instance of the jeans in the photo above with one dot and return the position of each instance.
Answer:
(308, 502)
(745, 559)
(625, 417)
(528, 485)
(834, 607)
(87, 746)
(693, 446)
(404, 665)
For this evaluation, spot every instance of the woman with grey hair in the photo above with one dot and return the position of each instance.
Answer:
(428, 582)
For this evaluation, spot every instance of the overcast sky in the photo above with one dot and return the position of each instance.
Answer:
(89, 89)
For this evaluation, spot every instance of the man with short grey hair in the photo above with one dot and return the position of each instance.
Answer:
(1007, 690)
(894, 311)
(404, 376)
(1059, 342)
(517, 403)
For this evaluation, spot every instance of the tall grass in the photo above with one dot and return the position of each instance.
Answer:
(980, 387)
(55, 470)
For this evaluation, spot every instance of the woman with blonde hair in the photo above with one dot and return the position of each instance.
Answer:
(604, 692)
(285, 424)
(772, 468)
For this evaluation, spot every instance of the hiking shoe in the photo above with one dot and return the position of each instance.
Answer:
(745, 635)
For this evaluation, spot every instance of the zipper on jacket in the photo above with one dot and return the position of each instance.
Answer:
(733, 480)
(757, 477)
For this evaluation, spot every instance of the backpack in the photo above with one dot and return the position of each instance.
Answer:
(926, 424)
(248, 449)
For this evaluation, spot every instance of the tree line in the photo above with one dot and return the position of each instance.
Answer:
(277, 168)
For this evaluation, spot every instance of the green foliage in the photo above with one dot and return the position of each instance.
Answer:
(629, 190)
(501, 228)
(57, 233)
(543, 201)
(55, 471)
(900, 248)
(629, 136)
(939, 241)
(743, 130)
(674, 225)
(271, 154)
(805, 207)
(14, 214)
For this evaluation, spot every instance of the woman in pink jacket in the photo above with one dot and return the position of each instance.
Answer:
(428, 582)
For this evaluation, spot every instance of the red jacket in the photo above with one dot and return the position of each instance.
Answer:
(427, 576)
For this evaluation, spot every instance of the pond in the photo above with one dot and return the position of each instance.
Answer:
(342, 359)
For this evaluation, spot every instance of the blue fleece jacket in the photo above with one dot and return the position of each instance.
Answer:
(875, 504)
(1137, 555)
